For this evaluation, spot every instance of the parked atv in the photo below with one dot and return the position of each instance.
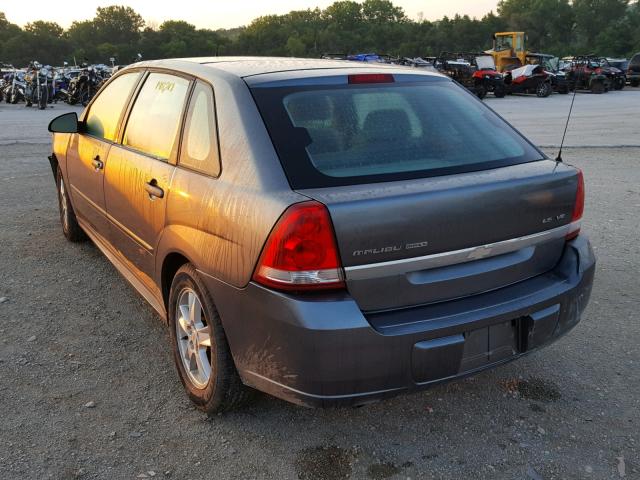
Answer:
(551, 65)
(617, 78)
(586, 74)
(529, 79)
(477, 72)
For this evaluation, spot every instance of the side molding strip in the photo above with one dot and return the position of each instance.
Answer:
(436, 260)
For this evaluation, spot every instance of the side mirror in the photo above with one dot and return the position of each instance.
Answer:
(66, 123)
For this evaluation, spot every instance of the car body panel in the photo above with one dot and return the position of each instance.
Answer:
(323, 351)
(137, 219)
(430, 216)
(86, 182)
(381, 335)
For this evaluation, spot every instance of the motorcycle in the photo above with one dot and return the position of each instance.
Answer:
(37, 86)
(59, 86)
(83, 87)
(16, 87)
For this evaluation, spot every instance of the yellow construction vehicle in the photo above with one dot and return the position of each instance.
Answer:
(508, 50)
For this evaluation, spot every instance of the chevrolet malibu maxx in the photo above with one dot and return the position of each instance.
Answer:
(326, 232)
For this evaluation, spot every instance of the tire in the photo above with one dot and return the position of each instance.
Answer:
(480, 91)
(84, 96)
(70, 227)
(209, 375)
(44, 97)
(543, 89)
(597, 87)
(635, 82)
(619, 83)
(499, 91)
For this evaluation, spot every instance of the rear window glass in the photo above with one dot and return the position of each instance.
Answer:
(348, 134)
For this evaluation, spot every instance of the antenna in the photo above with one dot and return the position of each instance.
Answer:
(573, 98)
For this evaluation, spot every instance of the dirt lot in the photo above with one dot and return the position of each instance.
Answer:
(88, 388)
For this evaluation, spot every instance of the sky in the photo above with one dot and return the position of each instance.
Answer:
(216, 14)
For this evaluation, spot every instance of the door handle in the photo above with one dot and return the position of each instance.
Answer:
(153, 189)
(97, 163)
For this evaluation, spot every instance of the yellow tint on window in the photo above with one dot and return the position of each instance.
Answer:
(102, 119)
(155, 118)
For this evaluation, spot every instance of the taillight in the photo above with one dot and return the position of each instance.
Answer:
(578, 209)
(301, 251)
(371, 78)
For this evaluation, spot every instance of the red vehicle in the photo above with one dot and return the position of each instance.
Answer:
(475, 71)
(587, 74)
(530, 79)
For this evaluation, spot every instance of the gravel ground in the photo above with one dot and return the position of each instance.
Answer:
(88, 387)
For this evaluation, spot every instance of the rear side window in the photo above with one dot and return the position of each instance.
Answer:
(102, 119)
(155, 118)
(348, 134)
(200, 142)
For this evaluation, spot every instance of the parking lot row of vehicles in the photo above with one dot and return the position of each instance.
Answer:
(538, 74)
(509, 68)
(41, 85)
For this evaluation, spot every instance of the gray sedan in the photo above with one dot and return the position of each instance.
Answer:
(327, 232)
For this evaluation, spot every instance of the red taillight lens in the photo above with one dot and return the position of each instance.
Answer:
(301, 252)
(578, 209)
(371, 78)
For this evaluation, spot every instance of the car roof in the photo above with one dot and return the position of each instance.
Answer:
(251, 66)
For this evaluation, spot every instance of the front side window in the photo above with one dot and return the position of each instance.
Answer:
(504, 43)
(104, 115)
(155, 118)
(200, 142)
(349, 134)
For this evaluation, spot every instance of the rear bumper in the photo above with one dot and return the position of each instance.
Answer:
(322, 350)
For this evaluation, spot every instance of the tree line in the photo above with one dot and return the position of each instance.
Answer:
(560, 27)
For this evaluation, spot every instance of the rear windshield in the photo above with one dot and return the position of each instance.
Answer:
(350, 134)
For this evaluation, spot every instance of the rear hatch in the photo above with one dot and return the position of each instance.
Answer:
(431, 194)
(410, 243)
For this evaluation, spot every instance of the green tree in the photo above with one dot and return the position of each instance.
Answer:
(562, 27)
(118, 25)
(593, 16)
(295, 47)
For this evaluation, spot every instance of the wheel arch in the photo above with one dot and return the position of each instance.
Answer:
(53, 161)
(171, 263)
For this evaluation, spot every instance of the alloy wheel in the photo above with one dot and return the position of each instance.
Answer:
(64, 210)
(194, 338)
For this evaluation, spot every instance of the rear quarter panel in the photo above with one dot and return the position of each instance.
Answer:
(220, 224)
